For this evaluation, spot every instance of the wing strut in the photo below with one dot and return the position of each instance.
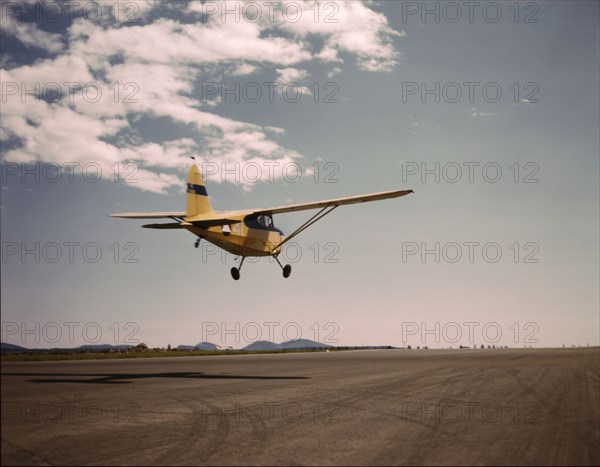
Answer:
(318, 216)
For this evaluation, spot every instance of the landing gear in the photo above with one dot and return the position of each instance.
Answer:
(197, 242)
(235, 272)
(287, 269)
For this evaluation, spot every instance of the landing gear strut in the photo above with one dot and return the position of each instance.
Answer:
(235, 272)
(287, 269)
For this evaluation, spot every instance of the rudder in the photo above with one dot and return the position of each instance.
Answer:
(197, 196)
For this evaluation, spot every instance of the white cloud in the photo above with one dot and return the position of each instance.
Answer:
(151, 69)
(31, 35)
(334, 72)
(474, 112)
(141, 7)
(349, 27)
(275, 130)
(289, 75)
(170, 42)
(243, 69)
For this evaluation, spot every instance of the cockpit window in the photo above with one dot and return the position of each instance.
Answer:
(265, 221)
(262, 221)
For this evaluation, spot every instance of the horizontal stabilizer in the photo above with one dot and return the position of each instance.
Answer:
(149, 215)
(212, 222)
(170, 225)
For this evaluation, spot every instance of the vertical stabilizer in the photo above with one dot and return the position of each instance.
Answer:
(197, 197)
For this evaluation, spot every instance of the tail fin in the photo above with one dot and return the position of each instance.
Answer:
(197, 197)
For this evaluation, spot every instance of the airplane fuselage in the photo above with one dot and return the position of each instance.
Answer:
(252, 236)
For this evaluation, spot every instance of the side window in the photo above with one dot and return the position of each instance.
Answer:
(262, 222)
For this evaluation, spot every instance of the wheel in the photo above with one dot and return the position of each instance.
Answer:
(235, 273)
(287, 270)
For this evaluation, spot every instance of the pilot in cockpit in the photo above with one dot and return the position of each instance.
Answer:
(265, 221)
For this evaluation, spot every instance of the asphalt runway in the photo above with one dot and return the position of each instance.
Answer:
(374, 407)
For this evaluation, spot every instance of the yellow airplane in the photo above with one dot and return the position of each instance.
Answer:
(250, 232)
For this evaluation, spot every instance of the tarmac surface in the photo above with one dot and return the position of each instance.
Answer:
(372, 407)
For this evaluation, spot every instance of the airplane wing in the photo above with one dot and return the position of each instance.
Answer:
(212, 219)
(326, 203)
(326, 207)
(149, 215)
(205, 220)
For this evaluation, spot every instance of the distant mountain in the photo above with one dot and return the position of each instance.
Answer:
(100, 347)
(11, 348)
(200, 346)
(296, 344)
(8, 348)
(206, 346)
(262, 345)
(303, 344)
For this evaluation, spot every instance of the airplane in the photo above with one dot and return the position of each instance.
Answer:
(249, 232)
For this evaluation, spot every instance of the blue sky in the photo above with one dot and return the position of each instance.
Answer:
(492, 119)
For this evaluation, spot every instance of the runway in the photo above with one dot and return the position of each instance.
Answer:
(373, 407)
